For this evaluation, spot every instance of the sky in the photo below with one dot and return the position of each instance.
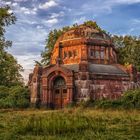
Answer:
(36, 18)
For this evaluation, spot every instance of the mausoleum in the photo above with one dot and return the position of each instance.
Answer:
(83, 66)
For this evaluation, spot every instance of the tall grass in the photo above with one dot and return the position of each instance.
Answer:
(78, 124)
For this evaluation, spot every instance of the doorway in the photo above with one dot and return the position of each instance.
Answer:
(60, 92)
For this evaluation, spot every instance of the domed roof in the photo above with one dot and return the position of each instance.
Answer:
(82, 35)
(85, 32)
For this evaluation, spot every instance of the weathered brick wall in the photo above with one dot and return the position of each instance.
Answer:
(98, 89)
(34, 85)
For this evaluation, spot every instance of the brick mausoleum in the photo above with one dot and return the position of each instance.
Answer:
(83, 66)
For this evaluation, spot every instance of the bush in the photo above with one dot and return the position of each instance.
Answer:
(131, 99)
(88, 103)
(4, 92)
(108, 104)
(14, 97)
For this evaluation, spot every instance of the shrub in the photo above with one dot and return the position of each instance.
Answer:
(131, 99)
(14, 97)
(4, 92)
(88, 103)
(108, 104)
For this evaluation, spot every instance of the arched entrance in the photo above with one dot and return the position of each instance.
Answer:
(59, 92)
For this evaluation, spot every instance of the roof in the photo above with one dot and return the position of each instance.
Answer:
(83, 31)
(106, 69)
(99, 69)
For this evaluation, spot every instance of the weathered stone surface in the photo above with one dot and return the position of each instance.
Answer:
(83, 66)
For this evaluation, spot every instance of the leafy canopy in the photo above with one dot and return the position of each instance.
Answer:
(128, 49)
(9, 68)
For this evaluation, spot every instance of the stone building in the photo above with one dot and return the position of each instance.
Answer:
(83, 66)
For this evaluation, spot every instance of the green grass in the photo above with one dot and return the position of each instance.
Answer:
(70, 124)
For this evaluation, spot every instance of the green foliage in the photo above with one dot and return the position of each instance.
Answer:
(9, 68)
(6, 19)
(50, 42)
(105, 104)
(129, 100)
(10, 71)
(94, 25)
(83, 124)
(14, 97)
(128, 48)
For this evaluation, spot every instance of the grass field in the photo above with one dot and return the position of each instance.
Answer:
(70, 124)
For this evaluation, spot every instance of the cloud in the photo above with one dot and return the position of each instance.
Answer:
(14, 4)
(135, 21)
(48, 4)
(56, 15)
(28, 61)
(39, 27)
(20, 0)
(28, 11)
(101, 7)
(114, 2)
(79, 20)
(8, 3)
(25, 75)
(51, 22)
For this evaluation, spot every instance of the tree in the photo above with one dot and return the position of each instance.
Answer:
(50, 42)
(9, 68)
(128, 48)
(94, 25)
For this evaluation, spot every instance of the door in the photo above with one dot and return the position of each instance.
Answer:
(60, 92)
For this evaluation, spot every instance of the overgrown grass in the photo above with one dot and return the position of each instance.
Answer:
(70, 124)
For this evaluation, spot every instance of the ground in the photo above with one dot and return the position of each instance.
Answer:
(70, 124)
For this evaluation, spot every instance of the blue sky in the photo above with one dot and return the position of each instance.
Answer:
(35, 18)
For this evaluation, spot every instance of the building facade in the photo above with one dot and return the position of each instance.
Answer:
(83, 66)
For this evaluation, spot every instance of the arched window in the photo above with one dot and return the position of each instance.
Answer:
(97, 54)
(65, 54)
(70, 54)
(59, 82)
(91, 52)
(102, 54)
(75, 53)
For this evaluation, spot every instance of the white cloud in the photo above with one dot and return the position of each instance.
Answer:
(20, 0)
(135, 21)
(39, 27)
(113, 2)
(48, 4)
(14, 4)
(8, 3)
(80, 20)
(102, 6)
(52, 21)
(28, 11)
(56, 15)
(28, 61)
(25, 75)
